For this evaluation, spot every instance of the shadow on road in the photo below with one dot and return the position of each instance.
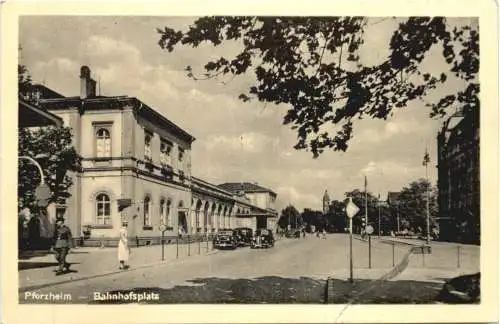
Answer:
(21, 265)
(269, 290)
(279, 290)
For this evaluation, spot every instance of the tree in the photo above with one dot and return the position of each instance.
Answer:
(337, 218)
(412, 205)
(53, 148)
(290, 216)
(313, 218)
(312, 65)
(358, 198)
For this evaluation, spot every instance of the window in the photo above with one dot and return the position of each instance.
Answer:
(181, 156)
(165, 153)
(103, 210)
(162, 211)
(147, 147)
(103, 143)
(147, 216)
(165, 212)
(168, 220)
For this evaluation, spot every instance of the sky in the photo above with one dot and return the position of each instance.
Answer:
(235, 141)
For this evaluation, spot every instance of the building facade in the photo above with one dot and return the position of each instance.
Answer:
(459, 178)
(265, 215)
(137, 167)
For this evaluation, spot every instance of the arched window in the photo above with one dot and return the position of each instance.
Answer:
(147, 215)
(168, 219)
(103, 143)
(147, 147)
(165, 206)
(163, 218)
(103, 209)
(197, 214)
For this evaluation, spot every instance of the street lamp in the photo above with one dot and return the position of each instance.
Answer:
(426, 163)
(32, 160)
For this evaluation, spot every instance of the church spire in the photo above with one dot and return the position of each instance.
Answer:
(326, 202)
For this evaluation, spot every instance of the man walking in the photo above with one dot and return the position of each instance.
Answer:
(62, 243)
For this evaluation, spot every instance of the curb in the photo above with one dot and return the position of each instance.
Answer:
(109, 273)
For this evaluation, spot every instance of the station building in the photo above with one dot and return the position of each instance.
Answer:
(136, 166)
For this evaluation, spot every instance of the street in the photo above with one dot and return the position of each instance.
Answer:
(295, 270)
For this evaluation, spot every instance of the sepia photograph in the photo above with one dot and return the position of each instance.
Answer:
(249, 159)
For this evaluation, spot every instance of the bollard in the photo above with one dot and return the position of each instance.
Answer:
(369, 251)
(207, 242)
(163, 245)
(393, 251)
(458, 256)
(423, 257)
(177, 246)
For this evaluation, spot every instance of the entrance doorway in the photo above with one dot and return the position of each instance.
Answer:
(182, 221)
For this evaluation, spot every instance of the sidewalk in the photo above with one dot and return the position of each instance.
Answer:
(86, 262)
(446, 261)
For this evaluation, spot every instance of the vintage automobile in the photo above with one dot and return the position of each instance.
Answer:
(263, 239)
(244, 236)
(225, 240)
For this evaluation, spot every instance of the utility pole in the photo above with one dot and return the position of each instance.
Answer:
(397, 214)
(366, 204)
(378, 203)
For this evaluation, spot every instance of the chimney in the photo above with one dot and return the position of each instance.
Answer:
(87, 84)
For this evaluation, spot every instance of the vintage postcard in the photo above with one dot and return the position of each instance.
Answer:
(213, 162)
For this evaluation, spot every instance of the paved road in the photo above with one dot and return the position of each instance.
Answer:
(295, 270)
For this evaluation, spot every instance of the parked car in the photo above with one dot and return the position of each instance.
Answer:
(294, 233)
(244, 236)
(225, 240)
(263, 239)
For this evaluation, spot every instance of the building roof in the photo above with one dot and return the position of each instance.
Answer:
(236, 187)
(31, 115)
(46, 92)
(116, 102)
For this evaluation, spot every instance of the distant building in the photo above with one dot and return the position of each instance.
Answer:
(459, 178)
(256, 195)
(326, 203)
(136, 166)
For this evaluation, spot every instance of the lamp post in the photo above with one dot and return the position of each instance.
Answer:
(32, 160)
(426, 163)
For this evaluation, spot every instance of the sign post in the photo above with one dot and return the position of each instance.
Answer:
(163, 228)
(351, 210)
(369, 231)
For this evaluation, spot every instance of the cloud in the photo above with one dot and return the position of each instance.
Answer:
(247, 142)
(291, 195)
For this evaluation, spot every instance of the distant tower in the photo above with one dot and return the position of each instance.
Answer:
(326, 202)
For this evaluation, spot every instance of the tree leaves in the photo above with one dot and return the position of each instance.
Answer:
(301, 62)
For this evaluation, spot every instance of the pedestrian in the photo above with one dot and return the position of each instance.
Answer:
(63, 241)
(123, 248)
(324, 234)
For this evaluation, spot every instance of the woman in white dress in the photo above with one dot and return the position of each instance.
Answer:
(123, 248)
